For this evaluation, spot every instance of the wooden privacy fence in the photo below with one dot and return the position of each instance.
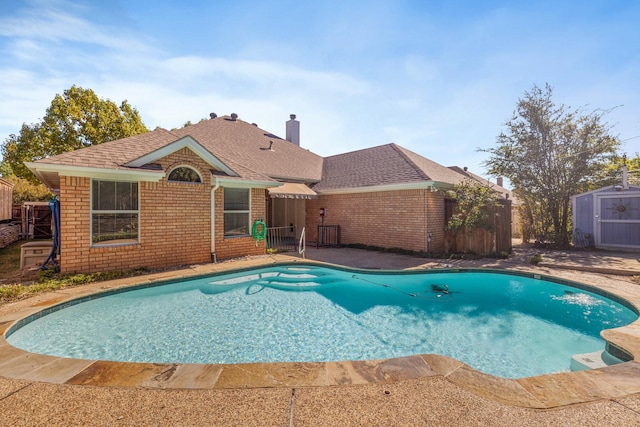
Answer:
(6, 196)
(34, 219)
(483, 242)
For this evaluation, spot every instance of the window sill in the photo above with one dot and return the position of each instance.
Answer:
(235, 236)
(115, 243)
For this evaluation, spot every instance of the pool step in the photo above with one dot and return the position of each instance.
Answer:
(298, 279)
(288, 282)
(595, 360)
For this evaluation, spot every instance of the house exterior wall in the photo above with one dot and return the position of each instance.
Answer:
(233, 247)
(387, 219)
(174, 223)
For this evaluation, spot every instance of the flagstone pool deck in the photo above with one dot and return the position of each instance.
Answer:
(415, 390)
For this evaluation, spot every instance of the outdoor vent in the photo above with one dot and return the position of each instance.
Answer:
(213, 115)
(234, 117)
(255, 124)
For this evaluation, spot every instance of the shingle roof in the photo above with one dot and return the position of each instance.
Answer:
(257, 155)
(114, 154)
(241, 146)
(387, 164)
(482, 180)
(244, 144)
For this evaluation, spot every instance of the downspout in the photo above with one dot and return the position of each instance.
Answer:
(213, 221)
(426, 221)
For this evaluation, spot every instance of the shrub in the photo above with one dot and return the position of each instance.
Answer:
(536, 259)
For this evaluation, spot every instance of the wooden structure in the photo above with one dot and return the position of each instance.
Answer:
(483, 242)
(6, 196)
(608, 218)
(34, 219)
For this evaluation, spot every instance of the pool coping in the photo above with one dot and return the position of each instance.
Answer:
(545, 391)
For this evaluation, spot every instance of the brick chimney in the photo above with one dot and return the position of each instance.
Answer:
(293, 130)
(499, 181)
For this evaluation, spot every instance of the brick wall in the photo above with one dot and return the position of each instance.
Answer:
(389, 219)
(175, 224)
(233, 247)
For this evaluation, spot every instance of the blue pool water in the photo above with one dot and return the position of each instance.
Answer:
(505, 325)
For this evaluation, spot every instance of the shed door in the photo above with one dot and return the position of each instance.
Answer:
(619, 220)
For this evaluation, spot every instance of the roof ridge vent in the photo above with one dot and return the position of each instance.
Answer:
(234, 117)
(213, 115)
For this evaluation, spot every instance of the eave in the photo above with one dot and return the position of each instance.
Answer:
(422, 185)
(232, 182)
(50, 173)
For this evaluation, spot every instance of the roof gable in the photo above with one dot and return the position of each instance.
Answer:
(185, 142)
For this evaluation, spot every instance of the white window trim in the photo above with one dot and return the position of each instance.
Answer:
(92, 211)
(224, 211)
(185, 182)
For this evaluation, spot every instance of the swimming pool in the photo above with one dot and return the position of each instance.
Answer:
(502, 324)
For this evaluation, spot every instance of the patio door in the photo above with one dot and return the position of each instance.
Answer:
(288, 213)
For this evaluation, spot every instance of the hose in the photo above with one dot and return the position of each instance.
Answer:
(54, 205)
(438, 290)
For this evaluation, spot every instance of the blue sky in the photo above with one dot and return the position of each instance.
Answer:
(437, 77)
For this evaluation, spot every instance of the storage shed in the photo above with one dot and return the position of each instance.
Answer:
(608, 218)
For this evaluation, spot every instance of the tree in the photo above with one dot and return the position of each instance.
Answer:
(612, 172)
(26, 191)
(473, 203)
(550, 153)
(75, 119)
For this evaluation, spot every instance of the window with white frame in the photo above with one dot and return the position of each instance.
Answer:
(114, 212)
(184, 174)
(236, 211)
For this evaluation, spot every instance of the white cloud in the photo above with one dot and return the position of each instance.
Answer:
(438, 89)
(54, 24)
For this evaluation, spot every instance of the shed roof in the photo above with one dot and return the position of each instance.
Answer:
(612, 189)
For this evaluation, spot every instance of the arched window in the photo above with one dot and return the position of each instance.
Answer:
(184, 174)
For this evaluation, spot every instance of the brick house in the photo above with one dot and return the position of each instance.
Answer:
(191, 195)
(384, 196)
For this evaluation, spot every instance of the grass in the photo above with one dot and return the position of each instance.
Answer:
(20, 285)
(47, 281)
(10, 260)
